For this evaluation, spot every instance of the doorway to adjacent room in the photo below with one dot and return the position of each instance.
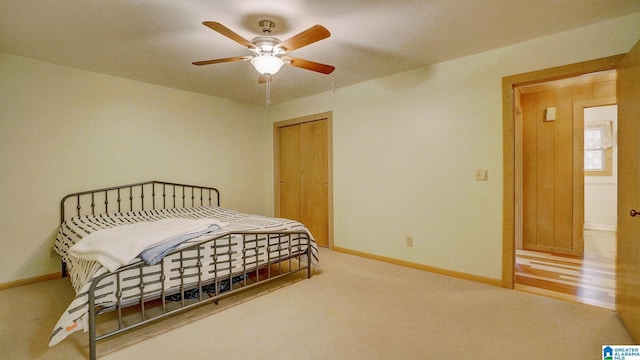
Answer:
(566, 187)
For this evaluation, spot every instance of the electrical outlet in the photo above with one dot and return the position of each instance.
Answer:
(52, 252)
(409, 241)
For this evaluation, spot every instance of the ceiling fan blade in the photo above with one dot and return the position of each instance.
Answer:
(223, 30)
(309, 36)
(309, 65)
(217, 61)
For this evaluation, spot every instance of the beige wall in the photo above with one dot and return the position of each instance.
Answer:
(64, 130)
(406, 148)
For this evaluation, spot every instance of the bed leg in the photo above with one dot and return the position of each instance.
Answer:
(309, 254)
(92, 324)
(92, 348)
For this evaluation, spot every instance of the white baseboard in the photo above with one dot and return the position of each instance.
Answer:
(602, 227)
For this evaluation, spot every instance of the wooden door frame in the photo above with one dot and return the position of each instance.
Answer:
(328, 116)
(509, 83)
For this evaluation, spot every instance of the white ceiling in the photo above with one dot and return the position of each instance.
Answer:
(155, 41)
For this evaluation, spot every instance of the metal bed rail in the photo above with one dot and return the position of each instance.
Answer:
(261, 257)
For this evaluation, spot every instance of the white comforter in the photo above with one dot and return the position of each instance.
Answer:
(118, 246)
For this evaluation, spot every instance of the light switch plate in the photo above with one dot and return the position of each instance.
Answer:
(482, 174)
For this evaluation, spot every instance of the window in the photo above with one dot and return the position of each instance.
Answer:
(594, 159)
(597, 148)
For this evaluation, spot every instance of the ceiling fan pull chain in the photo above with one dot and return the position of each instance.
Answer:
(268, 91)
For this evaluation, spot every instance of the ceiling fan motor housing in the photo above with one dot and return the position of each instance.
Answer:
(266, 45)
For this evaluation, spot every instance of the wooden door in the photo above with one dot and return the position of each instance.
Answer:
(313, 151)
(302, 174)
(628, 251)
(289, 169)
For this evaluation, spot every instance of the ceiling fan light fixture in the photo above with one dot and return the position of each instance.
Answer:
(267, 64)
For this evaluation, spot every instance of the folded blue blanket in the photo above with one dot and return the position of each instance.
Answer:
(153, 254)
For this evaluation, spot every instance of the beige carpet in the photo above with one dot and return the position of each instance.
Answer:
(354, 308)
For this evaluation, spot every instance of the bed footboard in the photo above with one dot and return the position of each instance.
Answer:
(200, 274)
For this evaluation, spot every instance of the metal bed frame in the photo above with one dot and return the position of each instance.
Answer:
(286, 253)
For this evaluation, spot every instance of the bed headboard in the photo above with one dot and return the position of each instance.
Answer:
(140, 196)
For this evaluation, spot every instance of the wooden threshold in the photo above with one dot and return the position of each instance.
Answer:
(589, 281)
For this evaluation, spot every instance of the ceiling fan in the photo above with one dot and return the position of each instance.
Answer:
(269, 53)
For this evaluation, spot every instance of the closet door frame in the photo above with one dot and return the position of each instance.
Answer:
(327, 116)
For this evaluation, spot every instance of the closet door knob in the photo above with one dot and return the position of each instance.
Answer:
(634, 212)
